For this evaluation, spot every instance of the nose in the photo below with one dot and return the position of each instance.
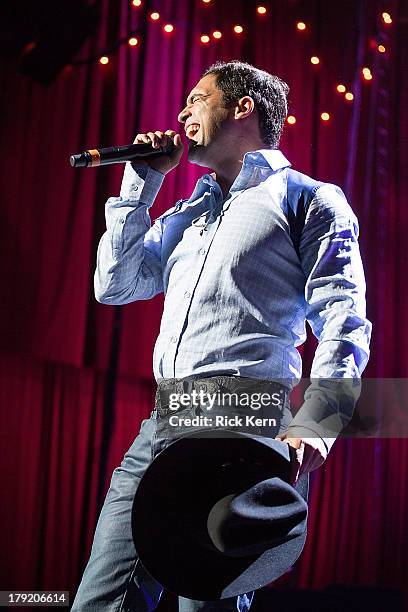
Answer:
(184, 115)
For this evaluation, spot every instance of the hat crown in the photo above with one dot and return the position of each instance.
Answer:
(263, 516)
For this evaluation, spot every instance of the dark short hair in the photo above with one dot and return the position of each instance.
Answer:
(237, 79)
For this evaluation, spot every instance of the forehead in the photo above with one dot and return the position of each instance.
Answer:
(206, 85)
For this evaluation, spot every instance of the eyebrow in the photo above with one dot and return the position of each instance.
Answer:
(195, 92)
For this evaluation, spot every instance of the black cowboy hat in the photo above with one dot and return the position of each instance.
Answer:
(214, 515)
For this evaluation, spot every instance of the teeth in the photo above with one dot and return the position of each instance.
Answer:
(192, 129)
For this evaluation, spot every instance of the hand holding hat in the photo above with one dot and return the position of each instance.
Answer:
(310, 453)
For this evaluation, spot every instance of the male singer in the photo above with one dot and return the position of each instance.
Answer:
(255, 251)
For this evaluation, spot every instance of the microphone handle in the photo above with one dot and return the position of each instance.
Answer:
(116, 155)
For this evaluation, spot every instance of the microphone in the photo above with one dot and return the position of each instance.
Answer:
(116, 155)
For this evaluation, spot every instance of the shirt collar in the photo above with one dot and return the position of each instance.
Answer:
(270, 160)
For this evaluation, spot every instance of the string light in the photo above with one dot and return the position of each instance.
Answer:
(239, 29)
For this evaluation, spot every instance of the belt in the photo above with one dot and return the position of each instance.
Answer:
(170, 389)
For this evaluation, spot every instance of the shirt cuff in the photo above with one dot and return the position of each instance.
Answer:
(140, 184)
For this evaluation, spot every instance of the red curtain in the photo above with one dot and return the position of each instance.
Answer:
(76, 376)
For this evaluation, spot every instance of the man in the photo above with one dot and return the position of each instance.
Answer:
(242, 269)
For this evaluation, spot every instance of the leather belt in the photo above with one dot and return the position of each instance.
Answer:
(169, 389)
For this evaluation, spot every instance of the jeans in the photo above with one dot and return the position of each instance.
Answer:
(115, 579)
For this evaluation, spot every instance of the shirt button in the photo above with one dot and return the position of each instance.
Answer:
(173, 339)
(187, 294)
(135, 188)
(122, 220)
(201, 252)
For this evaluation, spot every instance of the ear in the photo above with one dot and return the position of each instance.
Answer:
(244, 107)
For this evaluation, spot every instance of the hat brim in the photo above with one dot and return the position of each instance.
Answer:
(174, 499)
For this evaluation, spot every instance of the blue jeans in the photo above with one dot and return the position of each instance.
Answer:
(114, 579)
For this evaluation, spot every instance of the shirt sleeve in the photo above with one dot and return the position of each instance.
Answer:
(128, 266)
(336, 310)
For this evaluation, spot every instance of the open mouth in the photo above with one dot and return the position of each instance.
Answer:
(192, 130)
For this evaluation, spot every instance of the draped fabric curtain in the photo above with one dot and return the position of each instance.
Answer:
(76, 376)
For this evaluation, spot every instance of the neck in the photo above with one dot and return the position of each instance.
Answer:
(226, 174)
(227, 169)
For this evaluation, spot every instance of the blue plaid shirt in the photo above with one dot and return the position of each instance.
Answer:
(237, 295)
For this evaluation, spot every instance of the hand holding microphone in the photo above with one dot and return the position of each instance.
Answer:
(166, 162)
(159, 150)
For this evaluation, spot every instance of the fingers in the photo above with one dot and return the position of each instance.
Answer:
(298, 448)
(296, 461)
(176, 138)
(294, 442)
(158, 138)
